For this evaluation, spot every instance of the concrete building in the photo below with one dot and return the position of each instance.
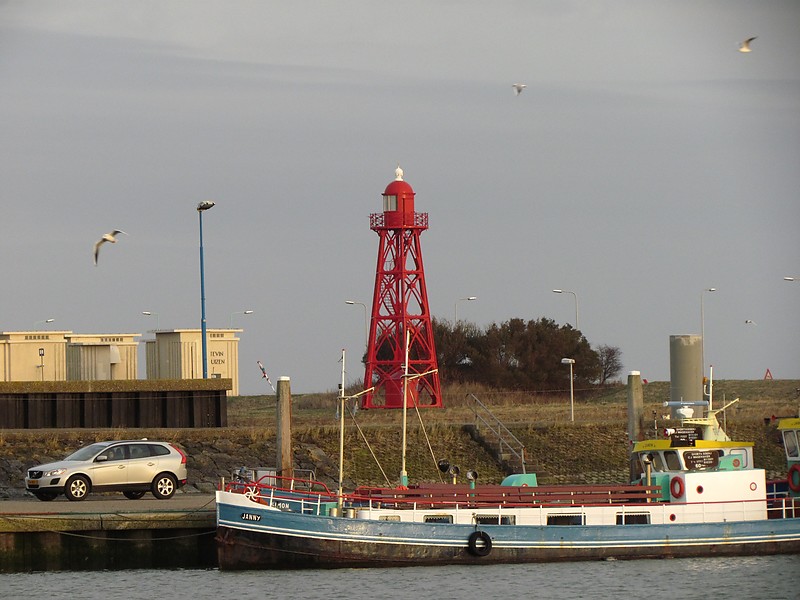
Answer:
(177, 354)
(102, 357)
(67, 356)
(33, 355)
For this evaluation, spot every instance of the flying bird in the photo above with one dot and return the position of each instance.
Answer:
(107, 237)
(745, 45)
(518, 87)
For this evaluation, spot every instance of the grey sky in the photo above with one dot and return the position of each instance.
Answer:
(646, 160)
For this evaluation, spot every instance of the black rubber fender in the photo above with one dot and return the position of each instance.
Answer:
(479, 543)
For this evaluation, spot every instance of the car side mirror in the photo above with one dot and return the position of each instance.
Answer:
(101, 458)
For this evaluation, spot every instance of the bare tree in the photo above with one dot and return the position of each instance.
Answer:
(610, 362)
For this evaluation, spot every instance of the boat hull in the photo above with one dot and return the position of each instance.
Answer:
(258, 537)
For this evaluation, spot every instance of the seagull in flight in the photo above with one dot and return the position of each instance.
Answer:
(745, 45)
(518, 87)
(111, 236)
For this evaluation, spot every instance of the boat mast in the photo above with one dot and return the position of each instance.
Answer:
(342, 406)
(341, 436)
(403, 472)
(406, 379)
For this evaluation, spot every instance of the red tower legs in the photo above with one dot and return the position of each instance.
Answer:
(400, 310)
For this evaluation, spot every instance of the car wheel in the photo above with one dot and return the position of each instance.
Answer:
(131, 495)
(46, 496)
(163, 486)
(77, 488)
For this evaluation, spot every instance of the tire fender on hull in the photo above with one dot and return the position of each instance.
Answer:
(479, 543)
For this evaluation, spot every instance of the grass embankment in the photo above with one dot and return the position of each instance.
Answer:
(592, 449)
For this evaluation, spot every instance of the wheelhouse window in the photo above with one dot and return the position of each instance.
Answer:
(658, 461)
(673, 460)
(790, 443)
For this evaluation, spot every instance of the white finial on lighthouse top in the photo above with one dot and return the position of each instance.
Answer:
(398, 173)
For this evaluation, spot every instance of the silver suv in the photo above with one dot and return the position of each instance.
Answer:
(132, 467)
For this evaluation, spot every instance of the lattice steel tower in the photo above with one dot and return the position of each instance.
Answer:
(400, 308)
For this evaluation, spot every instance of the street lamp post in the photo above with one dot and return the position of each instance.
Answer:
(42, 321)
(577, 323)
(201, 208)
(239, 312)
(455, 307)
(570, 362)
(147, 313)
(366, 323)
(703, 329)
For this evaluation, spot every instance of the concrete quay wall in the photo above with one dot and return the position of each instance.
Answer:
(94, 535)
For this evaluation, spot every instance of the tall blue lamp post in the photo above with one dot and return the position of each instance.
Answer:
(202, 207)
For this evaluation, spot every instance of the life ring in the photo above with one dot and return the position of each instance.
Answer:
(793, 478)
(676, 487)
(479, 543)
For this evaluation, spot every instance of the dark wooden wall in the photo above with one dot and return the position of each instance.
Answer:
(173, 404)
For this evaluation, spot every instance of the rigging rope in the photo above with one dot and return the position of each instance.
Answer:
(427, 440)
(363, 437)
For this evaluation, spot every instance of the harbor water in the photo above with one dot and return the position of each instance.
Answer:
(773, 577)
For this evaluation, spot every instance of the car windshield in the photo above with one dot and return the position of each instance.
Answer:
(86, 453)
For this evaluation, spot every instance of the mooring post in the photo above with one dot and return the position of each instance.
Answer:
(636, 423)
(284, 422)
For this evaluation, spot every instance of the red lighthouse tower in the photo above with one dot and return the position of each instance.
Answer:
(401, 320)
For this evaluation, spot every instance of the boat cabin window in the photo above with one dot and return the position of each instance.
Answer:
(573, 519)
(673, 460)
(438, 518)
(633, 518)
(790, 443)
(667, 460)
(657, 461)
(495, 519)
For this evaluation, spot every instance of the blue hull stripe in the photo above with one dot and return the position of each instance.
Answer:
(313, 527)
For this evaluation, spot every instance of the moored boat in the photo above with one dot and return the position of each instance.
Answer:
(694, 492)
